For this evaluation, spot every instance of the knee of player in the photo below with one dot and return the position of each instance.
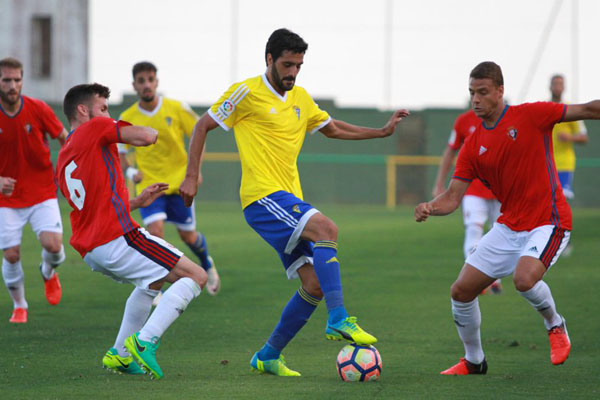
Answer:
(188, 238)
(460, 293)
(524, 282)
(328, 230)
(12, 255)
(313, 288)
(54, 246)
(200, 277)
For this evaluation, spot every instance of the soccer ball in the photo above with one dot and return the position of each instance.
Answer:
(359, 363)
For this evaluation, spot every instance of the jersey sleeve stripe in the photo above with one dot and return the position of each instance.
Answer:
(564, 111)
(239, 94)
(118, 133)
(462, 179)
(321, 125)
(218, 120)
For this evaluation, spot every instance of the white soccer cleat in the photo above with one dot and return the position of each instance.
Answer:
(214, 282)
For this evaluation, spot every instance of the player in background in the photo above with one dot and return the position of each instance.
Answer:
(510, 151)
(270, 117)
(564, 135)
(28, 191)
(479, 204)
(165, 162)
(109, 240)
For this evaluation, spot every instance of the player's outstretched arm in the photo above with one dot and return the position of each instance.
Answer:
(148, 195)
(189, 186)
(139, 135)
(337, 129)
(443, 204)
(577, 112)
(445, 165)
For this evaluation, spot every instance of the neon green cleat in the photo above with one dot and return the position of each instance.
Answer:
(144, 354)
(123, 365)
(348, 329)
(276, 366)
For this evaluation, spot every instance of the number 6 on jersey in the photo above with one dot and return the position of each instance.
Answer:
(75, 186)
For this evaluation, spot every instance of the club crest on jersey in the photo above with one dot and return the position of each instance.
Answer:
(297, 110)
(296, 209)
(512, 132)
(169, 120)
(28, 128)
(227, 108)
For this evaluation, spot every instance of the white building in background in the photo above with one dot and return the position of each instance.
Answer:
(50, 38)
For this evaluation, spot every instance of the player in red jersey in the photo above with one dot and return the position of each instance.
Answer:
(27, 186)
(511, 153)
(109, 240)
(479, 205)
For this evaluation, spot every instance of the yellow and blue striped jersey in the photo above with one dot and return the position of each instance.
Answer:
(165, 161)
(269, 131)
(564, 154)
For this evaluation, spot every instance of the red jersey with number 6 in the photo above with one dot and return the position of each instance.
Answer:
(89, 176)
(465, 124)
(514, 159)
(25, 155)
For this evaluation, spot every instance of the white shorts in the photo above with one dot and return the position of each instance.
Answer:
(43, 217)
(477, 210)
(499, 250)
(137, 257)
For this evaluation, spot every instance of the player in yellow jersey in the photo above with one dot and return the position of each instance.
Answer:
(563, 137)
(270, 117)
(165, 162)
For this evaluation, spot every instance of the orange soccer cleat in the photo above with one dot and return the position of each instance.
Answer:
(53, 290)
(560, 344)
(19, 316)
(465, 367)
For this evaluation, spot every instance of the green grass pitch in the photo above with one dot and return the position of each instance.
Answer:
(396, 276)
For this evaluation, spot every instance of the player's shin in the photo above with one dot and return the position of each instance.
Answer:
(200, 249)
(137, 309)
(467, 318)
(540, 298)
(174, 301)
(50, 261)
(14, 279)
(327, 268)
(294, 316)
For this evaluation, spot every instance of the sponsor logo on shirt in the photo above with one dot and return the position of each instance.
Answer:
(482, 150)
(273, 111)
(512, 132)
(297, 110)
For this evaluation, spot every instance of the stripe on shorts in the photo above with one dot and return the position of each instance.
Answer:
(556, 238)
(278, 212)
(158, 253)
